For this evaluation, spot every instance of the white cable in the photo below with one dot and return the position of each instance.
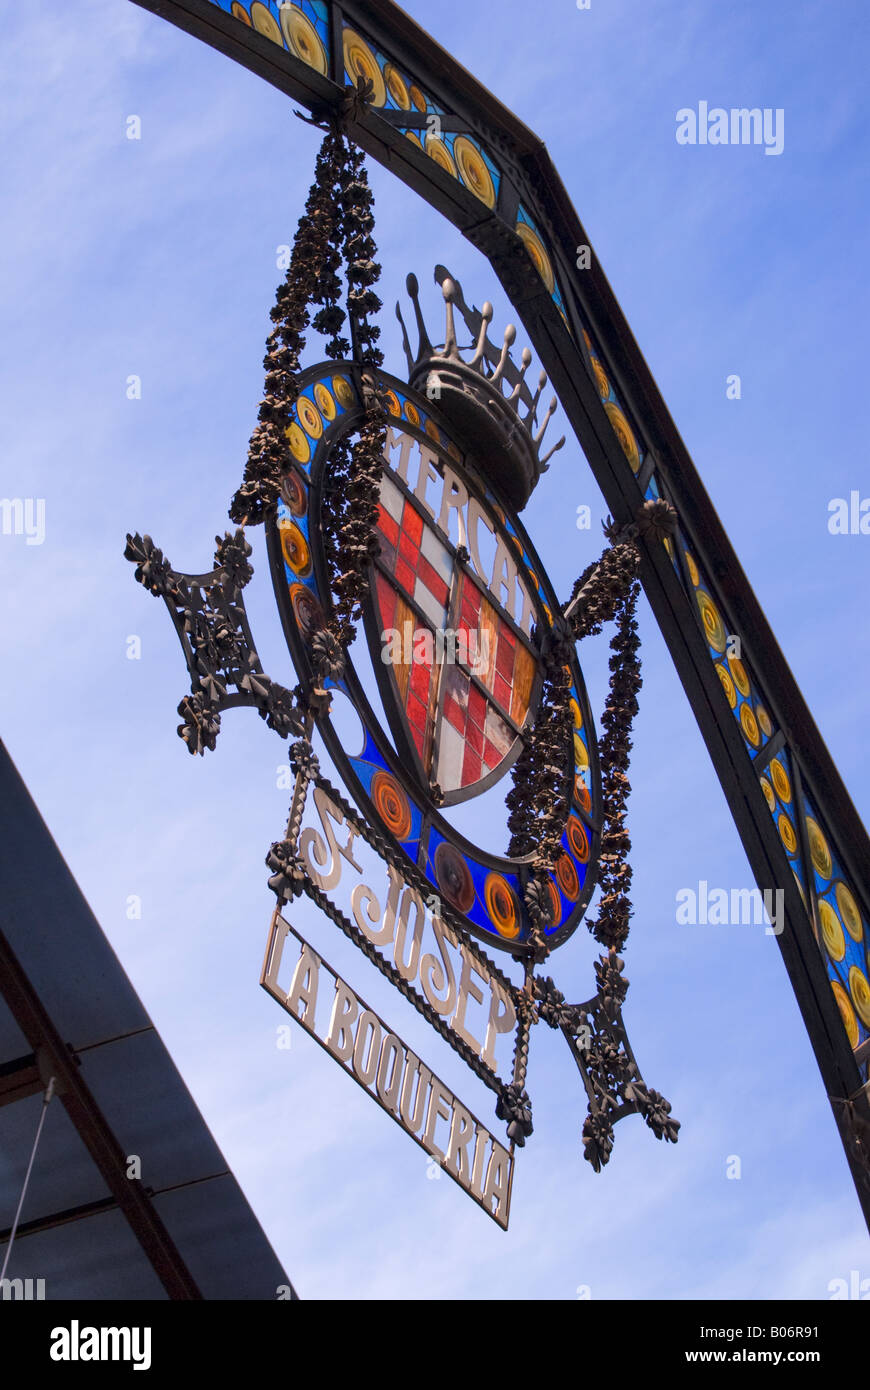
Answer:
(49, 1092)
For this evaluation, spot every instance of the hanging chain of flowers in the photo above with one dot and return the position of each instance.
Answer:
(539, 801)
(311, 279)
(612, 923)
(335, 229)
(350, 520)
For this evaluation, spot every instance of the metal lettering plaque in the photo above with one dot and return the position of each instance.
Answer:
(386, 1068)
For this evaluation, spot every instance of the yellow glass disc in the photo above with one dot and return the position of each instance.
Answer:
(832, 932)
(309, 417)
(781, 783)
(727, 685)
(325, 403)
(359, 61)
(786, 833)
(850, 911)
(860, 991)
(624, 433)
(819, 852)
(538, 254)
(473, 171)
(303, 39)
(263, 22)
(299, 445)
(847, 1013)
(712, 620)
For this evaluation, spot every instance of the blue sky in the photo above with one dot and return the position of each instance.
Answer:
(157, 257)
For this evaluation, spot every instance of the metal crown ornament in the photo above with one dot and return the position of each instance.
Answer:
(470, 392)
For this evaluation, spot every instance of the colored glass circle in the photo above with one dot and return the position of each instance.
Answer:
(393, 404)
(433, 431)
(832, 932)
(412, 414)
(391, 804)
(763, 718)
(576, 714)
(360, 62)
(714, 628)
(555, 904)
(819, 852)
(325, 403)
(294, 493)
(309, 417)
(295, 548)
(473, 171)
(453, 877)
(582, 795)
(437, 150)
(624, 433)
(860, 992)
(396, 86)
(727, 684)
(693, 568)
(538, 254)
(303, 39)
(343, 391)
(306, 610)
(600, 379)
(849, 911)
(238, 11)
(781, 783)
(786, 832)
(738, 671)
(581, 756)
(263, 22)
(749, 725)
(417, 97)
(847, 1013)
(566, 877)
(577, 839)
(501, 904)
(298, 441)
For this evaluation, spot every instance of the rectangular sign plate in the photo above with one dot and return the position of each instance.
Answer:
(343, 1024)
(457, 988)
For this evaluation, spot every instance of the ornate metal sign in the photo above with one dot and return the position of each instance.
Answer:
(370, 69)
(391, 514)
(457, 622)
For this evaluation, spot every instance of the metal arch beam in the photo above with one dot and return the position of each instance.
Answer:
(75, 1095)
(529, 177)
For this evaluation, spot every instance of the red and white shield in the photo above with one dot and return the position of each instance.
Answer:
(461, 670)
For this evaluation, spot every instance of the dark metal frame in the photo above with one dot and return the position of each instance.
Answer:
(528, 175)
(129, 1195)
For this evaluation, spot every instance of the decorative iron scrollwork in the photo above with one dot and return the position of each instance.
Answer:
(208, 612)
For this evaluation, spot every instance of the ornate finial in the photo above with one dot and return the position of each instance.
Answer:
(485, 395)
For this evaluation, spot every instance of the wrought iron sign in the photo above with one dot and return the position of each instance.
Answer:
(391, 509)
